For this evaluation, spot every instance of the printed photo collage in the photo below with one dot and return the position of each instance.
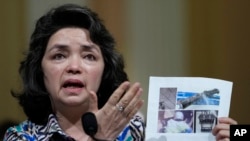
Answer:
(186, 112)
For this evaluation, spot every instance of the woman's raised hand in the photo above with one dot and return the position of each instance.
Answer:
(123, 104)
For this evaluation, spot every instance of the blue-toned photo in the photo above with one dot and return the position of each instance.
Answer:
(207, 97)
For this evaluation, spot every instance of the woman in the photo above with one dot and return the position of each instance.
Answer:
(71, 69)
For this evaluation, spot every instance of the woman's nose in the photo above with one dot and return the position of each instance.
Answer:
(74, 65)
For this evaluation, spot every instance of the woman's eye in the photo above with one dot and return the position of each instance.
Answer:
(90, 57)
(58, 56)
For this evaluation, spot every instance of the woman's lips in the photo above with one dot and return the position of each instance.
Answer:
(73, 86)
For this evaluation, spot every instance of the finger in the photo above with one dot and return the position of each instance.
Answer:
(93, 102)
(135, 110)
(134, 90)
(122, 121)
(222, 134)
(224, 124)
(227, 120)
(118, 93)
(226, 139)
(219, 127)
(133, 103)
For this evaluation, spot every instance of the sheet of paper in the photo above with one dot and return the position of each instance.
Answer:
(185, 108)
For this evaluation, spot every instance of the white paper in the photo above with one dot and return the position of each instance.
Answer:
(185, 108)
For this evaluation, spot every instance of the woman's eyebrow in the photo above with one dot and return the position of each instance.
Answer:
(58, 47)
(91, 47)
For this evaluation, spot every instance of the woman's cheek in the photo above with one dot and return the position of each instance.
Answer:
(97, 77)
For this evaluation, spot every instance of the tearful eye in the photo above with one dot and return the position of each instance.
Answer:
(58, 56)
(90, 57)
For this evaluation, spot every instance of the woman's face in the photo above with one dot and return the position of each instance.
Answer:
(72, 64)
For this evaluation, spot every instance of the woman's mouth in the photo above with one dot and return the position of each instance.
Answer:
(73, 86)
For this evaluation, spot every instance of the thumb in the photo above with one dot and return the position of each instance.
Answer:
(93, 102)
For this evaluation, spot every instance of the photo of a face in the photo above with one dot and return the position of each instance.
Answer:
(175, 121)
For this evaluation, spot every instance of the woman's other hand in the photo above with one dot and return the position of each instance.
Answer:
(222, 130)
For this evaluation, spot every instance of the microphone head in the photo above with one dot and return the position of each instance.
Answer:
(89, 123)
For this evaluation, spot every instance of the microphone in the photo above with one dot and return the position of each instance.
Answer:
(89, 123)
(90, 126)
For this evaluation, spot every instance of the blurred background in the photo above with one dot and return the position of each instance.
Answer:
(206, 38)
